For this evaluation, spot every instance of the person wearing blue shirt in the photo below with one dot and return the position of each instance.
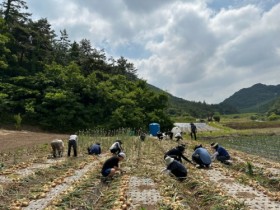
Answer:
(221, 154)
(95, 149)
(201, 156)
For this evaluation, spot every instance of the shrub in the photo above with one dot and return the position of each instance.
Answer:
(273, 117)
(18, 120)
(254, 117)
(217, 118)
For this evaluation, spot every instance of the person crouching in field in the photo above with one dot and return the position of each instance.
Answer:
(177, 153)
(57, 148)
(175, 168)
(111, 165)
(116, 147)
(221, 154)
(72, 142)
(201, 156)
(94, 149)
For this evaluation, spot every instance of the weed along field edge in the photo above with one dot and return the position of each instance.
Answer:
(31, 179)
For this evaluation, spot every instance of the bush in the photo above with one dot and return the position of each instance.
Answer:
(273, 117)
(254, 117)
(18, 120)
(217, 118)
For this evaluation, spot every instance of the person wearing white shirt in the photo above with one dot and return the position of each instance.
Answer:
(116, 147)
(73, 140)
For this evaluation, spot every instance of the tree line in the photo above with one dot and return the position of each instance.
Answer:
(57, 84)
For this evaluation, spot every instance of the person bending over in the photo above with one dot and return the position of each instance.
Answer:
(73, 142)
(177, 153)
(57, 148)
(176, 168)
(94, 149)
(116, 147)
(201, 156)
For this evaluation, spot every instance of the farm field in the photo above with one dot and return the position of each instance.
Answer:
(31, 180)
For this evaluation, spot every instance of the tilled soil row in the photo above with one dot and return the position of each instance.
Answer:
(271, 168)
(62, 186)
(17, 174)
(255, 199)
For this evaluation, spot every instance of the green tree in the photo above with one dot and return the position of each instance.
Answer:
(16, 27)
(41, 40)
(4, 51)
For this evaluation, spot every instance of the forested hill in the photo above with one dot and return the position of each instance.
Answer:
(52, 82)
(181, 107)
(258, 98)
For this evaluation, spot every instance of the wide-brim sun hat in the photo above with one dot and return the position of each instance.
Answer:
(121, 154)
(168, 160)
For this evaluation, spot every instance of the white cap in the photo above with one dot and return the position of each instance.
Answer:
(168, 160)
(121, 154)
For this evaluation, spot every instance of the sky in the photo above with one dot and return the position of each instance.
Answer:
(198, 50)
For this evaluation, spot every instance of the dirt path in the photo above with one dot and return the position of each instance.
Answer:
(64, 187)
(54, 192)
(255, 199)
(143, 193)
(10, 140)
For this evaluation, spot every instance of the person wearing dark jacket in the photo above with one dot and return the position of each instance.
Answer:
(201, 157)
(193, 131)
(94, 149)
(176, 168)
(177, 153)
(159, 135)
(221, 154)
(111, 165)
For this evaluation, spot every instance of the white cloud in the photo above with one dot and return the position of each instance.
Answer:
(199, 50)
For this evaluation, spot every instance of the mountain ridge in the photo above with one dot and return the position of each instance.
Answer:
(258, 98)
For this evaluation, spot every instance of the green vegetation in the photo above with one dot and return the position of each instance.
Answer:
(258, 98)
(60, 85)
(265, 146)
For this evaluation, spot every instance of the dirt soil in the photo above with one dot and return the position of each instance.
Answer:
(15, 139)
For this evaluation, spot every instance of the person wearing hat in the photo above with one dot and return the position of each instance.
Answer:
(94, 149)
(111, 165)
(201, 156)
(116, 147)
(177, 153)
(221, 154)
(176, 168)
